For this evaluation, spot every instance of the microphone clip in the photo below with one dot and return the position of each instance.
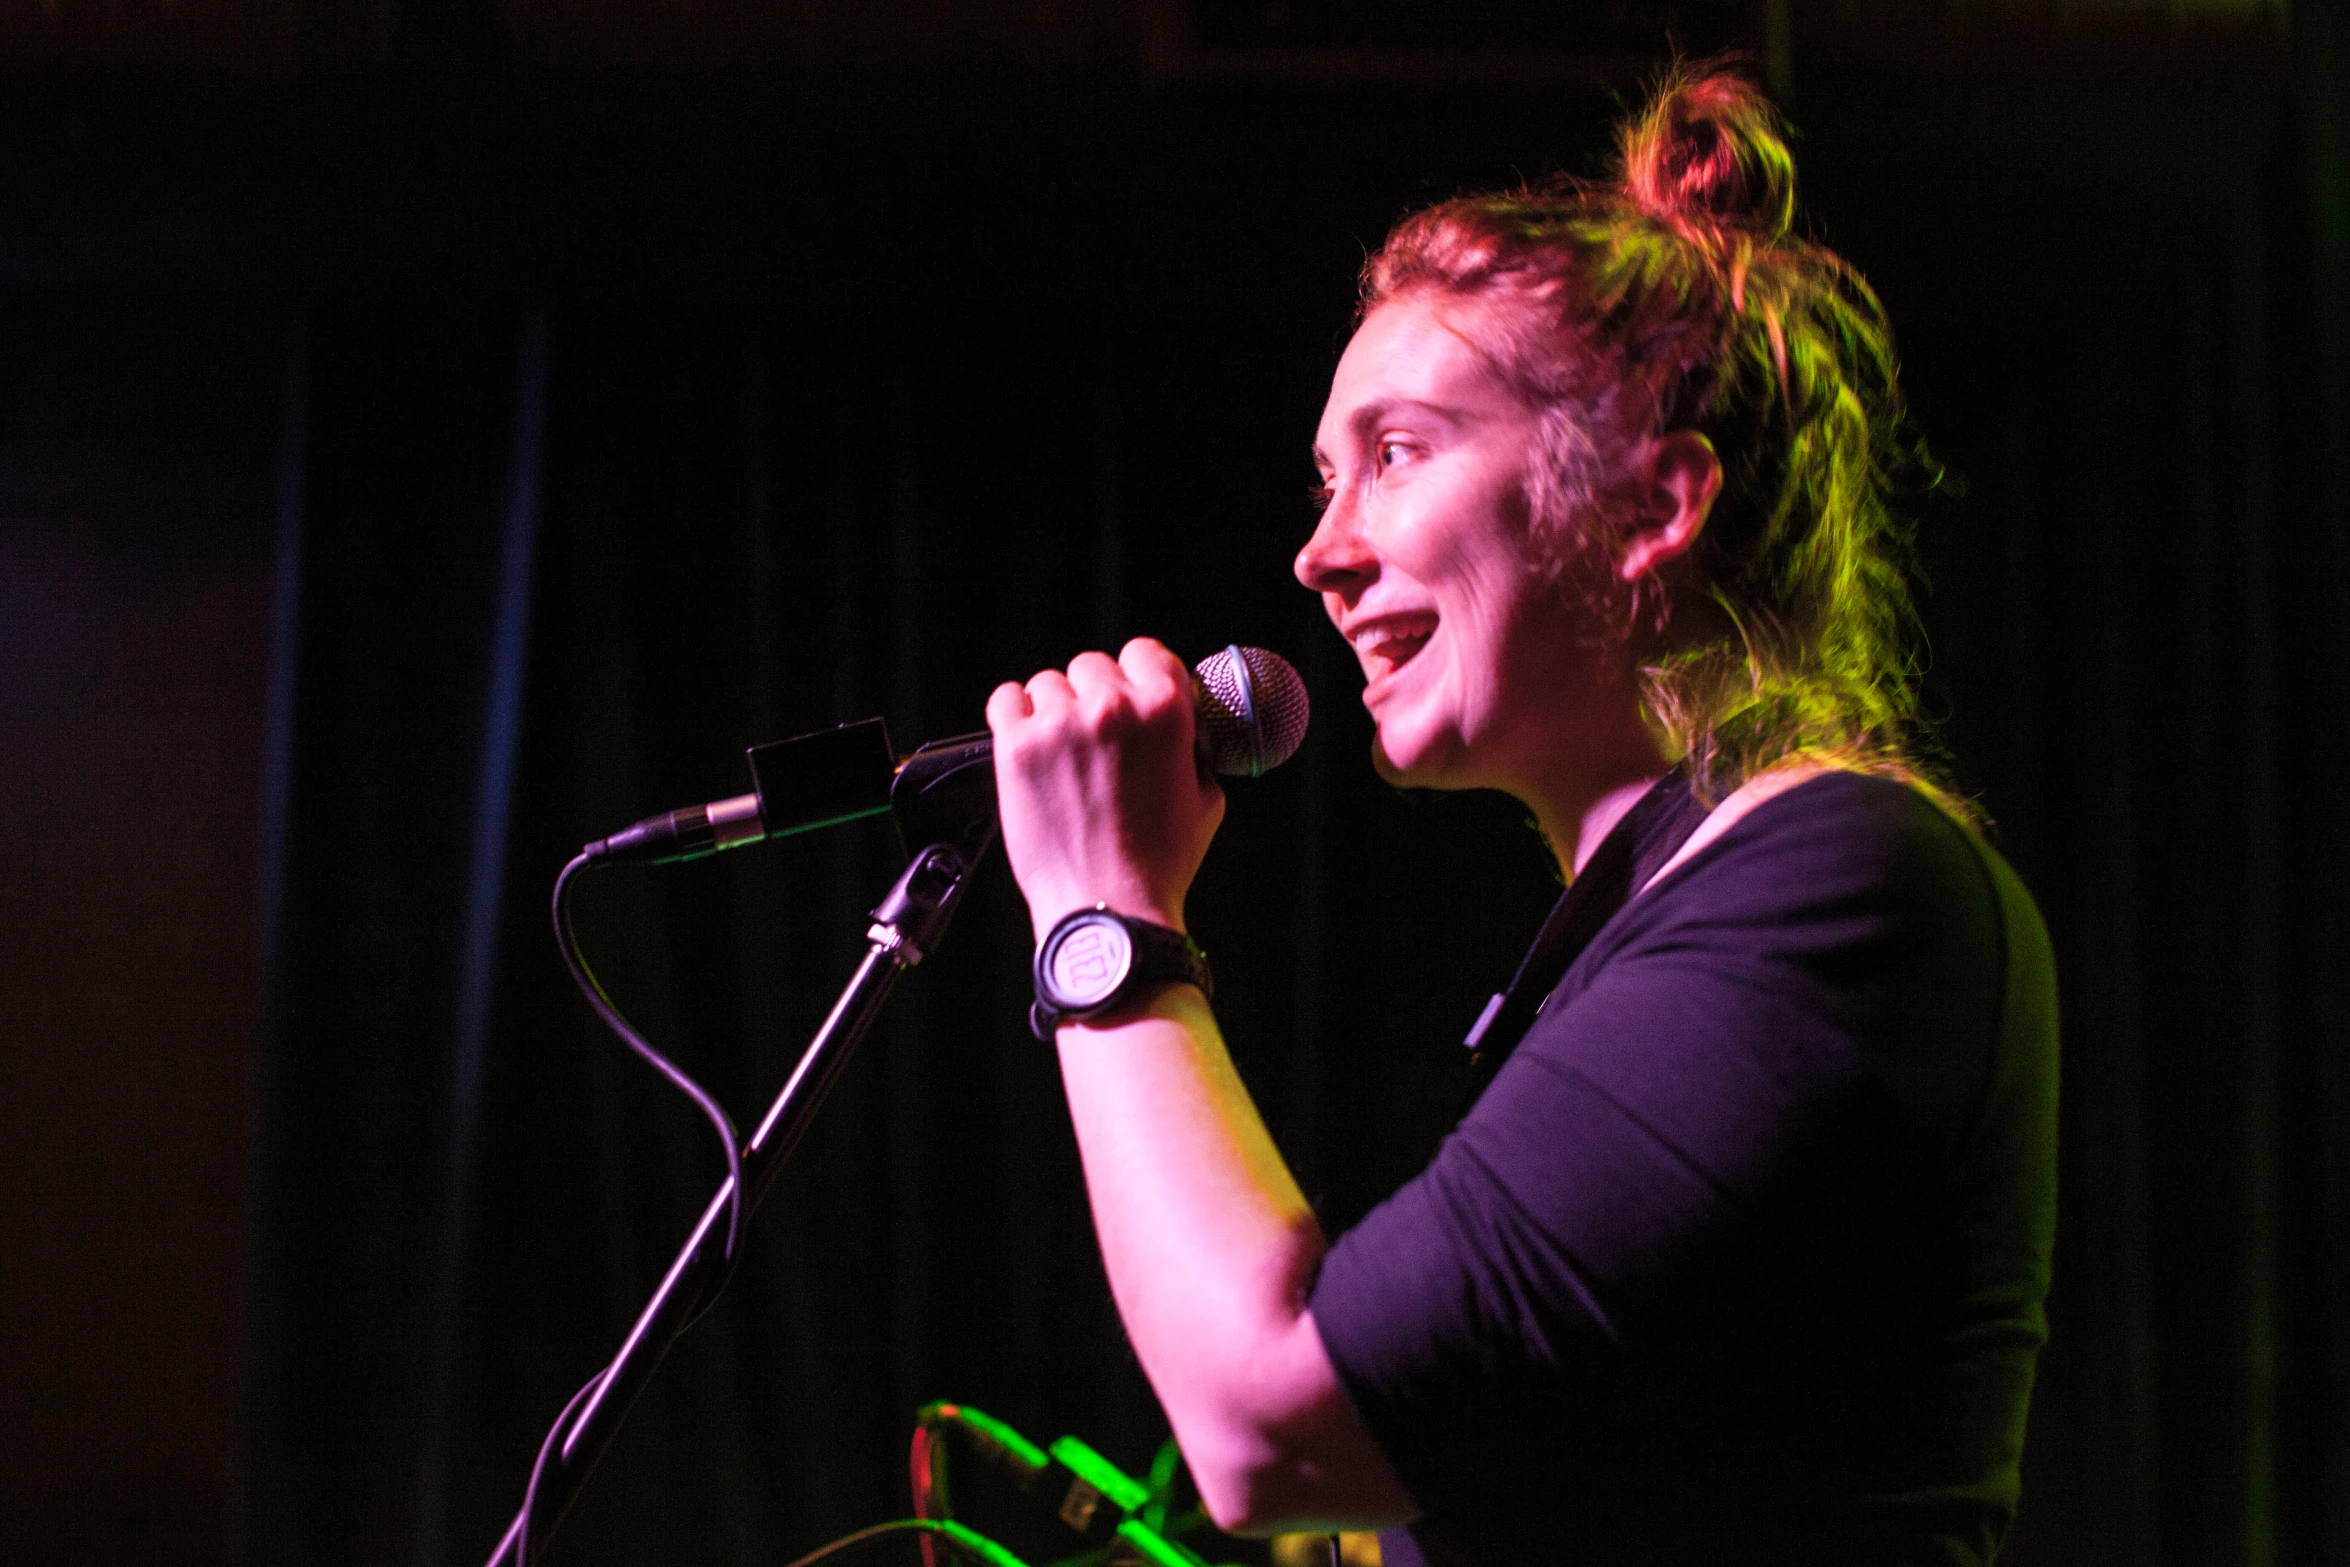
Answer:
(943, 794)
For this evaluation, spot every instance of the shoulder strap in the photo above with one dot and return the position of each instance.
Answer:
(1633, 851)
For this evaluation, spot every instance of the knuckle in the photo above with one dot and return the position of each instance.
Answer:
(1111, 713)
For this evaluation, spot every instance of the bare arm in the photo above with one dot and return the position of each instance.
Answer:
(1209, 1245)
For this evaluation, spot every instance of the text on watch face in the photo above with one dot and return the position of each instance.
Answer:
(1091, 960)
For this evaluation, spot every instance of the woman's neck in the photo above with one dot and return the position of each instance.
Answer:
(1597, 819)
(1596, 764)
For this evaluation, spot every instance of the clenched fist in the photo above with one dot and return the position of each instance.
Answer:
(1099, 787)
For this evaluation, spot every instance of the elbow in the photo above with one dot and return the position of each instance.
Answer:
(1236, 1518)
(1254, 1482)
(1244, 1486)
(1273, 1444)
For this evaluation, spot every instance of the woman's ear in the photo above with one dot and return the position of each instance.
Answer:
(1683, 478)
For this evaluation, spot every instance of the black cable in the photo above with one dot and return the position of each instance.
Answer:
(538, 1467)
(568, 941)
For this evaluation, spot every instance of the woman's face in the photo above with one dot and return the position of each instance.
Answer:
(1480, 666)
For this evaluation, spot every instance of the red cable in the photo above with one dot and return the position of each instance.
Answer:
(920, 1460)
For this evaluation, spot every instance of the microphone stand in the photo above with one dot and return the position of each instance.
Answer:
(944, 797)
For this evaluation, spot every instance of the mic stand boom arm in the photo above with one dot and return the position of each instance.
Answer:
(951, 796)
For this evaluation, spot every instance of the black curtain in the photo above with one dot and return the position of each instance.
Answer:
(730, 447)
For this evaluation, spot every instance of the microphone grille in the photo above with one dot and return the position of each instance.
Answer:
(1254, 710)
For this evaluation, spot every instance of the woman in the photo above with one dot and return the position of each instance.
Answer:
(1739, 1257)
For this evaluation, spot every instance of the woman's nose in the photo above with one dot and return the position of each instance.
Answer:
(1336, 559)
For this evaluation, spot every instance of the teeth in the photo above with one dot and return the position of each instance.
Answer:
(1404, 638)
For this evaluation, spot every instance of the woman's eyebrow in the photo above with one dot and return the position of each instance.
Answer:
(1370, 414)
(1364, 421)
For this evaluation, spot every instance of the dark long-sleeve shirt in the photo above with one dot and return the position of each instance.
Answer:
(1740, 1257)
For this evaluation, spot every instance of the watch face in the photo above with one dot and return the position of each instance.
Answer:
(1088, 960)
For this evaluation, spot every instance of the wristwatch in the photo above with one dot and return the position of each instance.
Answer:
(1095, 962)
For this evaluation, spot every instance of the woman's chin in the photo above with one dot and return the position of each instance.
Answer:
(1409, 760)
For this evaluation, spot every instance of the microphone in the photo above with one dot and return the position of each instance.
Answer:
(1251, 716)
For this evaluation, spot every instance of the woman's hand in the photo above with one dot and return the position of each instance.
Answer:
(1098, 786)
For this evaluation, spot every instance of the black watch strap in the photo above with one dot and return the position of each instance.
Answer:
(1095, 962)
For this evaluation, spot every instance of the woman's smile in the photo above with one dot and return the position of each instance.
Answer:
(1386, 643)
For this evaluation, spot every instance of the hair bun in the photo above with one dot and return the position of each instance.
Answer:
(1709, 152)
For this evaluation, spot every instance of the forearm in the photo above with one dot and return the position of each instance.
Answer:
(1208, 1241)
(1210, 1249)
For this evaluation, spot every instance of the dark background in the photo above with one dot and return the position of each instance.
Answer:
(432, 434)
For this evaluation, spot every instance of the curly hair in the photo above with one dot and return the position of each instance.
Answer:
(1676, 295)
